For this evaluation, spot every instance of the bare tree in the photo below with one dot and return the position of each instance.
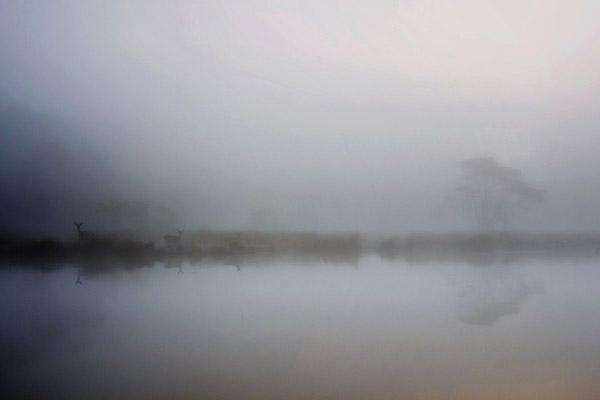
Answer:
(493, 193)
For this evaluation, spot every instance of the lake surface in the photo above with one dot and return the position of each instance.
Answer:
(370, 329)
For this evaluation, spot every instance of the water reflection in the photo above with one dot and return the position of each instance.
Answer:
(78, 281)
(302, 328)
(173, 263)
(499, 293)
(236, 260)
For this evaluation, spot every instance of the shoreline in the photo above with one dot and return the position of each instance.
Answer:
(347, 248)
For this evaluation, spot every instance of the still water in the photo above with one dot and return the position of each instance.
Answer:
(371, 329)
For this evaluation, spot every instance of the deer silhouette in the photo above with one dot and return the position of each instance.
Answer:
(236, 244)
(173, 240)
(81, 234)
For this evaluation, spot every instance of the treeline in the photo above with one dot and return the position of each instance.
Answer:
(327, 247)
(50, 250)
(286, 242)
(449, 244)
(195, 245)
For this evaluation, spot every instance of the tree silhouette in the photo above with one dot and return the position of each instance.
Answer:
(492, 193)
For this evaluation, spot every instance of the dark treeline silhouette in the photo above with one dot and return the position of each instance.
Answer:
(103, 250)
(100, 250)
(50, 250)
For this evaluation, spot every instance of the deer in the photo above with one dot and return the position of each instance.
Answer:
(82, 235)
(236, 244)
(173, 240)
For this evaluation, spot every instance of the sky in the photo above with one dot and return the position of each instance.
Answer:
(284, 115)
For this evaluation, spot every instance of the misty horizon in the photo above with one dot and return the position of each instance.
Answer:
(318, 199)
(324, 116)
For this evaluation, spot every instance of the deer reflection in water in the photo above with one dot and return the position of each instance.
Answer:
(235, 260)
(175, 263)
(78, 281)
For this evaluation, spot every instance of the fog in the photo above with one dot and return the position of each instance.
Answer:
(279, 115)
(299, 199)
(526, 329)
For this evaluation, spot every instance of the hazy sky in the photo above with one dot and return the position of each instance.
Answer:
(301, 115)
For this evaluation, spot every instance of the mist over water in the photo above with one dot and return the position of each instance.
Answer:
(320, 199)
(304, 330)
